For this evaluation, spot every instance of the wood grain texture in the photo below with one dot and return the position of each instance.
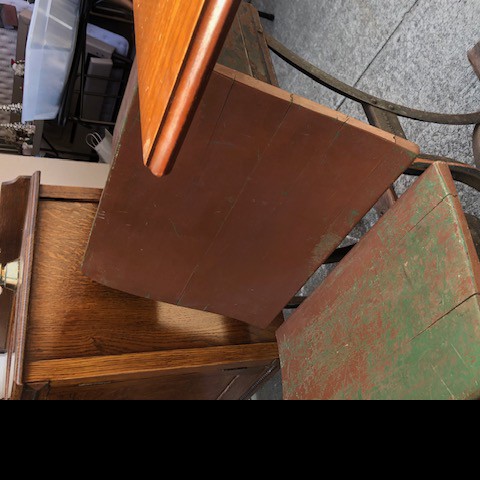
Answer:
(399, 318)
(266, 186)
(74, 371)
(89, 195)
(72, 316)
(178, 43)
(245, 49)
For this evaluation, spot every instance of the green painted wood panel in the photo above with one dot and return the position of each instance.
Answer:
(399, 317)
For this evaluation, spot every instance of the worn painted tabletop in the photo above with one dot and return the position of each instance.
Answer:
(400, 316)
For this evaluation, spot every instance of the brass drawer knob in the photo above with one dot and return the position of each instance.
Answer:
(9, 275)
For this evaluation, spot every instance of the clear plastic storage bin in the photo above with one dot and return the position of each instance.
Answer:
(50, 49)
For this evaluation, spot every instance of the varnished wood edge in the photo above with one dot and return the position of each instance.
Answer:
(11, 183)
(410, 148)
(77, 194)
(80, 371)
(215, 22)
(16, 350)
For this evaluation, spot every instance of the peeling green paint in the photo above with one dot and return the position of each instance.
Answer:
(398, 320)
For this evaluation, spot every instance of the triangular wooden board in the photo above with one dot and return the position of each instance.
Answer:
(266, 186)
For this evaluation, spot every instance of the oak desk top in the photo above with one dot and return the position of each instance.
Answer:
(178, 43)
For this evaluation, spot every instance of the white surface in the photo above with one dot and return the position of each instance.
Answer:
(119, 43)
(62, 173)
(50, 48)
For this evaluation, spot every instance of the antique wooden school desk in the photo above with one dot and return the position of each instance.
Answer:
(68, 337)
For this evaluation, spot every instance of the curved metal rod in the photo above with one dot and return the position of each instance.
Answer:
(357, 95)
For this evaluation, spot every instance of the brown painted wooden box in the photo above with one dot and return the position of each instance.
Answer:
(400, 316)
(265, 188)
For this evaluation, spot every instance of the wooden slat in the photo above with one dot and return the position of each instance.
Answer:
(235, 54)
(440, 364)
(193, 386)
(78, 194)
(122, 367)
(399, 317)
(210, 385)
(178, 43)
(242, 382)
(266, 186)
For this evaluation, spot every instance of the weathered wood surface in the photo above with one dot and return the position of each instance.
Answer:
(266, 186)
(178, 43)
(400, 317)
(245, 49)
